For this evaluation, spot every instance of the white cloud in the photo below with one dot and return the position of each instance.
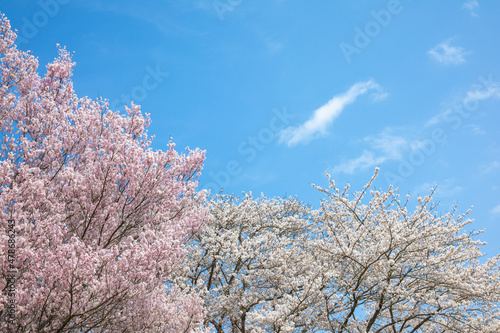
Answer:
(489, 167)
(391, 146)
(496, 210)
(478, 92)
(446, 54)
(326, 114)
(476, 129)
(439, 117)
(471, 7)
(384, 147)
(365, 161)
(445, 189)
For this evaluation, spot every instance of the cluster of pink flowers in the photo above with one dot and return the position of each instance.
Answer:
(101, 218)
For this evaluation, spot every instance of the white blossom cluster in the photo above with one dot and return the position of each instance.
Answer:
(360, 263)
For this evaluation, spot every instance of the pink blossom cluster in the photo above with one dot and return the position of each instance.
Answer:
(101, 217)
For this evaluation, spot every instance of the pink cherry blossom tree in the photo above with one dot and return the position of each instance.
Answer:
(99, 218)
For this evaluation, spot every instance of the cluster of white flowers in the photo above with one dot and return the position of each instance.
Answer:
(359, 264)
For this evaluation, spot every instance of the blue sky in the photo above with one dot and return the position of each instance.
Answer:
(279, 91)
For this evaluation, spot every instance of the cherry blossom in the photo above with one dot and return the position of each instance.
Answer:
(362, 262)
(100, 217)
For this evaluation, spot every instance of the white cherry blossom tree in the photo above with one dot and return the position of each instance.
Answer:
(360, 263)
(251, 266)
(386, 269)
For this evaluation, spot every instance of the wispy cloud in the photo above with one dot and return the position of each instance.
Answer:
(476, 129)
(439, 117)
(487, 90)
(477, 93)
(447, 188)
(384, 147)
(489, 167)
(326, 114)
(448, 55)
(471, 7)
(496, 210)
(165, 24)
(273, 47)
(368, 159)
(391, 146)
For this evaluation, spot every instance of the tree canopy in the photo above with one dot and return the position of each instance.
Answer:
(363, 262)
(100, 217)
